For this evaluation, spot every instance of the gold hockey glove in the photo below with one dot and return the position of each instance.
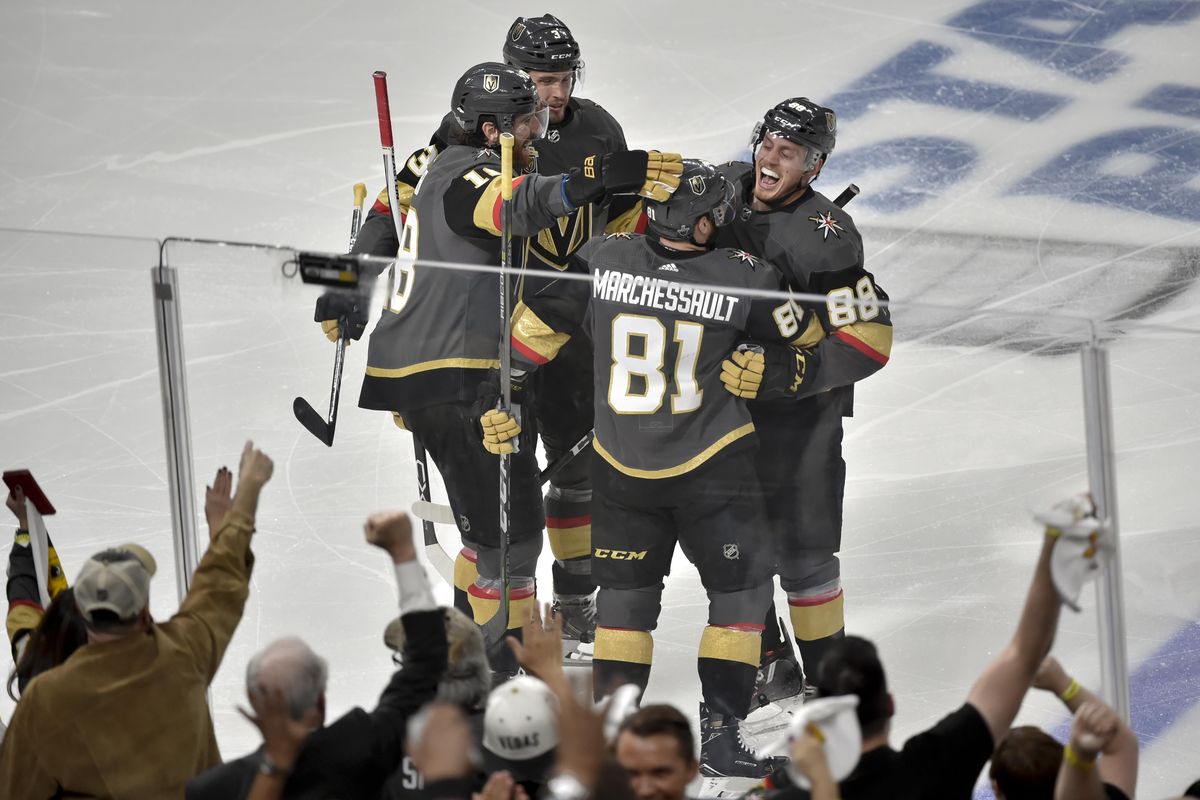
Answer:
(663, 171)
(500, 430)
(742, 372)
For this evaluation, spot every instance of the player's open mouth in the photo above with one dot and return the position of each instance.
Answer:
(767, 179)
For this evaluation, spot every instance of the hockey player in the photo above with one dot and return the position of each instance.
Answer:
(437, 340)
(800, 463)
(545, 48)
(675, 449)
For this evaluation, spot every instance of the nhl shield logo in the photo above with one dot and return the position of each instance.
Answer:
(491, 82)
(517, 31)
(553, 135)
(697, 183)
(731, 552)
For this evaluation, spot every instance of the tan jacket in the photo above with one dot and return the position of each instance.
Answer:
(129, 718)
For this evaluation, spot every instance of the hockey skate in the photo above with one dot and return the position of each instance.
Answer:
(578, 615)
(723, 750)
(779, 678)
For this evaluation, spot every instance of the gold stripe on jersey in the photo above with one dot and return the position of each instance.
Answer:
(877, 338)
(485, 216)
(687, 466)
(537, 340)
(816, 622)
(627, 222)
(811, 336)
(731, 644)
(442, 363)
(622, 644)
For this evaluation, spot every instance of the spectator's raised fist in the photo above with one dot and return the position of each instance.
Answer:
(1051, 677)
(16, 504)
(1095, 727)
(255, 468)
(391, 531)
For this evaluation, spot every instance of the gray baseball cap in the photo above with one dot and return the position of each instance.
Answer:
(115, 580)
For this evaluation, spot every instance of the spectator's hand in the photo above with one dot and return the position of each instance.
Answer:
(581, 744)
(16, 504)
(808, 756)
(1051, 677)
(282, 736)
(540, 652)
(443, 748)
(1095, 727)
(501, 786)
(255, 468)
(218, 499)
(391, 531)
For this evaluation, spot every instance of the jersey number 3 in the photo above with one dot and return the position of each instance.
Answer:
(639, 350)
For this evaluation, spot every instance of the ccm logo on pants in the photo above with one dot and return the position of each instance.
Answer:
(621, 555)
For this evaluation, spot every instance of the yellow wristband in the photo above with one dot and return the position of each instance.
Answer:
(1075, 760)
(1071, 691)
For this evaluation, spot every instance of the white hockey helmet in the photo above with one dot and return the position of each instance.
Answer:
(520, 729)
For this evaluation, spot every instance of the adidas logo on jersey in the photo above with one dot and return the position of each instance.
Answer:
(668, 268)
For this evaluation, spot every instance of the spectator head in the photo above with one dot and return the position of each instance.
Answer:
(1025, 765)
(468, 678)
(1193, 790)
(113, 590)
(520, 731)
(59, 634)
(656, 749)
(852, 666)
(291, 666)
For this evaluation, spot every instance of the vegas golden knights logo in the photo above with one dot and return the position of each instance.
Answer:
(491, 82)
(831, 121)
(518, 31)
(554, 245)
(697, 184)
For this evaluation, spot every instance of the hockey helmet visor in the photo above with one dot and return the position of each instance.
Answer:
(532, 126)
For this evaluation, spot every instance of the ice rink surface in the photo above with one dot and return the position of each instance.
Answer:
(1025, 166)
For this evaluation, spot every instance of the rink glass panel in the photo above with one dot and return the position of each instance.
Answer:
(80, 405)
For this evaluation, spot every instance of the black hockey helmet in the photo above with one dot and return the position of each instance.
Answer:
(493, 90)
(542, 43)
(703, 192)
(802, 121)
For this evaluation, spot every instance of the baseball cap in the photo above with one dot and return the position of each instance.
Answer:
(520, 729)
(834, 721)
(115, 580)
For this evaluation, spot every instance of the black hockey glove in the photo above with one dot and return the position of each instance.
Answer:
(334, 305)
(652, 174)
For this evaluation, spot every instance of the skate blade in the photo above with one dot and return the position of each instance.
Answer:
(578, 654)
(726, 787)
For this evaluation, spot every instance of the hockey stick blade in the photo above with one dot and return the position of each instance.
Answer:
(313, 422)
(433, 512)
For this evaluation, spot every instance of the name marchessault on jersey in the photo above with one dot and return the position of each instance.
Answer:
(642, 290)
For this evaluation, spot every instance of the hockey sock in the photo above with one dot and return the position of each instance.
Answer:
(622, 656)
(772, 636)
(569, 529)
(818, 621)
(484, 596)
(727, 665)
(465, 574)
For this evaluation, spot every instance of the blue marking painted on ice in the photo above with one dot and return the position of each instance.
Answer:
(1164, 688)
(1067, 36)
(910, 76)
(1092, 172)
(1173, 99)
(931, 165)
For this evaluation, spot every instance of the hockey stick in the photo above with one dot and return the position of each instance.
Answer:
(306, 415)
(496, 627)
(434, 551)
(443, 515)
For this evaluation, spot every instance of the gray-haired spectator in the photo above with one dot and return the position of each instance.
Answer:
(127, 715)
(355, 755)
